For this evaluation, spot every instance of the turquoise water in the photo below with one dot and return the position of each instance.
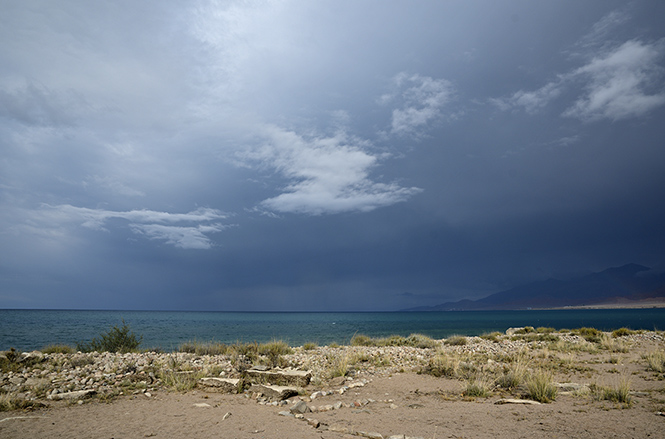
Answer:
(34, 329)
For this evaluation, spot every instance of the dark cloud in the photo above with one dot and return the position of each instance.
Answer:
(237, 156)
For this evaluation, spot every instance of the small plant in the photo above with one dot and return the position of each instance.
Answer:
(540, 386)
(492, 336)
(515, 374)
(590, 334)
(656, 361)
(58, 349)
(361, 340)
(619, 393)
(456, 340)
(622, 332)
(442, 366)
(309, 346)
(338, 366)
(180, 381)
(117, 339)
(477, 387)
(10, 402)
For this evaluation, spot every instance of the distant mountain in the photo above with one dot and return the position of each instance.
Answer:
(627, 284)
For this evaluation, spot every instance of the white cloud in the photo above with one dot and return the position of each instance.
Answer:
(155, 225)
(615, 85)
(531, 101)
(327, 174)
(423, 98)
(617, 81)
(183, 237)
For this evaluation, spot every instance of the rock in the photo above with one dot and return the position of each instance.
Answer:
(517, 401)
(338, 381)
(313, 422)
(286, 413)
(393, 406)
(79, 394)
(30, 358)
(281, 377)
(226, 385)
(274, 392)
(202, 405)
(370, 435)
(317, 394)
(340, 429)
(299, 407)
(396, 436)
(226, 416)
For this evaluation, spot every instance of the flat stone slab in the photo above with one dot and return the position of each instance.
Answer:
(517, 401)
(280, 377)
(226, 385)
(79, 394)
(274, 392)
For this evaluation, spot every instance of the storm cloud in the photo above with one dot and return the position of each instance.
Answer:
(288, 155)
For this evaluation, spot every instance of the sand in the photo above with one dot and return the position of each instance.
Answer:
(394, 400)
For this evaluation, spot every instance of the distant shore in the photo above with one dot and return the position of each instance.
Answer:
(642, 304)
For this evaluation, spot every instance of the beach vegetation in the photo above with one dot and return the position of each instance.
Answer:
(117, 339)
(478, 386)
(525, 330)
(338, 366)
(612, 344)
(414, 340)
(310, 346)
(198, 348)
(622, 332)
(540, 386)
(442, 366)
(591, 335)
(617, 393)
(9, 360)
(492, 336)
(456, 340)
(58, 349)
(655, 361)
(515, 373)
(10, 402)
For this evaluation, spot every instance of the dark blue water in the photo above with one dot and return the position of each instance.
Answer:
(34, 329)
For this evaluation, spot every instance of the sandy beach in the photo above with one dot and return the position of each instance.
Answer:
(460, 387)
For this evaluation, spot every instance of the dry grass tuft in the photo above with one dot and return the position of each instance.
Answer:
(540, 386)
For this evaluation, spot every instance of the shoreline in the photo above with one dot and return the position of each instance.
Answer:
(451, 386)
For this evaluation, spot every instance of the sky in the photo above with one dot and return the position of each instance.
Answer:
(324, 156)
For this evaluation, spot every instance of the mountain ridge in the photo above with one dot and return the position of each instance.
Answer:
(630, 282)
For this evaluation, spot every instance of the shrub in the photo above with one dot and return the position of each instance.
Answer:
(309, 346)
(117, 339)
(590, 334)
(656, 361)
(477, 387)
(619, 393)
(442, 365)
(515, 374)
(456, 340)
(540, 386)
(58, 349)
(492, 336)
(361, 340)
(622, 332)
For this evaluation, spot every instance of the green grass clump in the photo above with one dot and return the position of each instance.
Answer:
(456, 340)
(478, 387)
(310, 346)
(492, 336)
(117, 339)
(514, 374)
(618, 393)
(10, 402)
(590, 334)
(622, 332)
(198, 348)
(58, 349)
(540, 386)
(442, 366)
(413, 340)
(656, 361)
